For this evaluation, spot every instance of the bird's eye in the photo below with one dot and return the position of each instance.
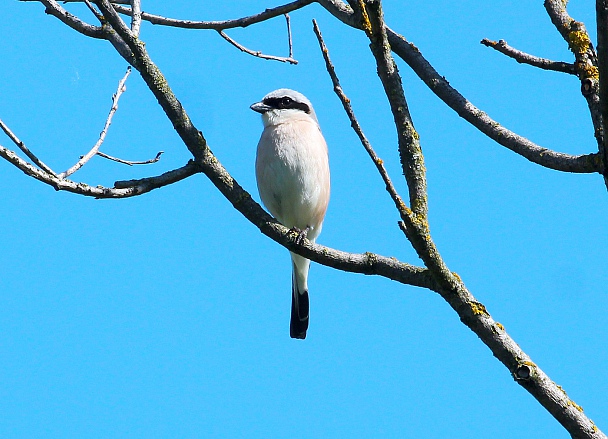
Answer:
(286, 102)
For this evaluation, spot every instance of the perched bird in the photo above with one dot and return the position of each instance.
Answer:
(292, 172)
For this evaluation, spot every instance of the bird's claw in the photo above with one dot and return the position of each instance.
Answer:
(299, 234)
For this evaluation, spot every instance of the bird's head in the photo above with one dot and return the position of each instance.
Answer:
(284, 105)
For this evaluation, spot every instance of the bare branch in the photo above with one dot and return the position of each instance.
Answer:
(390, 187)
(54, 9)
(577, 37)
(95, 12)
(135, 16)
(221, 24)
(129, 162)
(525, 58)
(255, 53)
(410, 152)
(545, 157)
(85, 158)
(25, 149)
(127, 189)
(287, 19)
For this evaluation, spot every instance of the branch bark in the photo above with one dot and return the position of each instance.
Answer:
(525, 58)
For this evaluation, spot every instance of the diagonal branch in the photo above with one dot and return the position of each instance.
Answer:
(85, 158)
(526, 58)
(54, 9)
(587, 163)
(390, 187)
(25, 149)
(257, 53)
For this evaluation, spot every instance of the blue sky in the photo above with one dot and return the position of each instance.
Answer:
(167, 315)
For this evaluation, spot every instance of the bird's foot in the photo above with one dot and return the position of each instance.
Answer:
(299, 234)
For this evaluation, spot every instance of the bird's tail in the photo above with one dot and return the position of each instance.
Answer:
(299, 297)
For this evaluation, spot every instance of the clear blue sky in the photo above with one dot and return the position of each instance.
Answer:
(167, 315)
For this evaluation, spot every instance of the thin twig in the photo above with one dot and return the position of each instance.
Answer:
(525, 58)
(288, 20)
(25, 149)
(95, 12)
(129, 162)
(220, 24)
(85, 158)
(135, 17)
(256, 53)
(390, 187)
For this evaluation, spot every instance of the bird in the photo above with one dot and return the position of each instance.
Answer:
(292, 174)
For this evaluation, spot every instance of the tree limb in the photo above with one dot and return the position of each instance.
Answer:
(586, 64)
(601, 8)
(220, 24)
(26, 150)
(257, 53)
(126, 189)
(390, 187)
(85, 158)
(525, 58)
(135, 16)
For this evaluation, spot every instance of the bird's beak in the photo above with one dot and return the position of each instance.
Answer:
(260, 107)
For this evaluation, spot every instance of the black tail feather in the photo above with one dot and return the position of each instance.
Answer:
(299, 312)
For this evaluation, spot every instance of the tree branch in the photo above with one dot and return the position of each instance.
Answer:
(525, 58)
(586, 64)
(126, 189)
(130, 162)
(587, 163)
(54, 9)
(290, 42)
(26, 150)
(601, 8)
(135, 16)
(220, 24)
(390, 187)
(85, 158)
(256, 53)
